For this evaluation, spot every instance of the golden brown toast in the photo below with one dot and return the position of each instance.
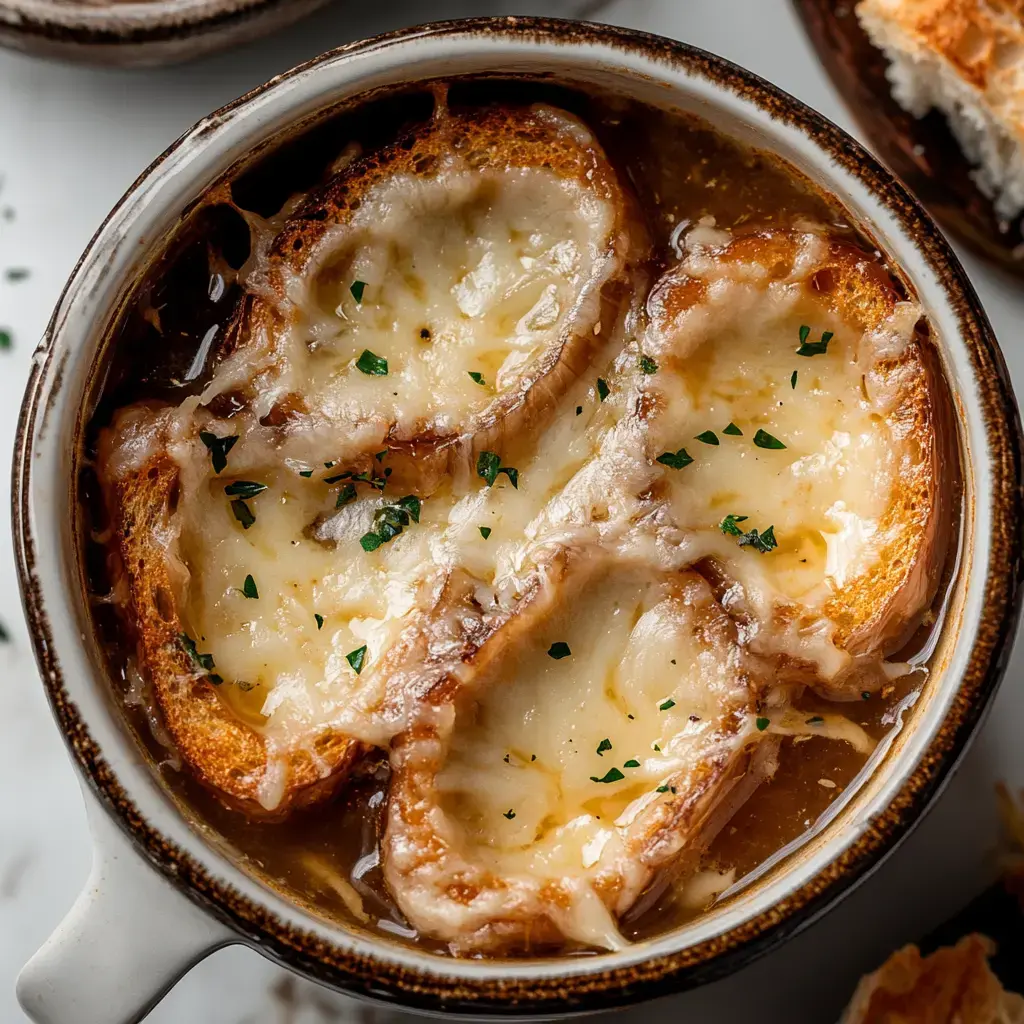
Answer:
(863, 418)
(157, 472)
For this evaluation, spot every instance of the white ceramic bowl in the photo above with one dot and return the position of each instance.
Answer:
(161, 897)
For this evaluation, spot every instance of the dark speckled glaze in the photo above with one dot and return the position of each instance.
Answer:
(582, 985)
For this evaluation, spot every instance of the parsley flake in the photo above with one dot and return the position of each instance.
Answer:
(346, 495)
(356, 659)
(243, 513)
(764, 542)
(244, 489)
(732, 430)
(217, 446)
(728, 525)
(204, 662)
(488, 467)
(667, 705)
(370, 541)
(357, 288)
(485, 531)
(815, 720)
(579, 410)
(792, 380)
(813, 348)
(661, 789)
(864, 695)
(612, 775)
(603, 390)
(389, 521)
(762, 724)
(708, 437)
(510, 814)
(632, 763)
(648, 365)
(249, 588)
(765, 440)
(675, 460)
(478, 378)
(559, 650)
(380, 456)
(372, 365)
(307, 473)
(603, 746)
(319, 621)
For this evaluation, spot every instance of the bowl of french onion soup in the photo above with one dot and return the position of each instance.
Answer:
(515, 517)
(134, 33)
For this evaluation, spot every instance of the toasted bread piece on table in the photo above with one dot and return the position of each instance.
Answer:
(953, 984)
(277, 532)
(798, 417)
(963, 57)
(584, 745)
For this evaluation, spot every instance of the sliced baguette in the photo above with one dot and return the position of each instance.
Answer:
(966, 59)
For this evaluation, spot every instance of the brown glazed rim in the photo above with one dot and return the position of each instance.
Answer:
(163, 27)
(412, 987)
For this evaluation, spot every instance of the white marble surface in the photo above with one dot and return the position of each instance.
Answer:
(71, 141)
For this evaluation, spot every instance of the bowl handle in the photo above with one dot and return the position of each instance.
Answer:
(129, 937)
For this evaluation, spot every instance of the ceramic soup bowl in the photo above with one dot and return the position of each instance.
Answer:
(161, 896)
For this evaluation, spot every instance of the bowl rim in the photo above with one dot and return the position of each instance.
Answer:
(577, 988)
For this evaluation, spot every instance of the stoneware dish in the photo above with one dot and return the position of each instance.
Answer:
(161, 897)
(140, 32)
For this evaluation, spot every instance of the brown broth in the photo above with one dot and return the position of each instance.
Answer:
(161, 349)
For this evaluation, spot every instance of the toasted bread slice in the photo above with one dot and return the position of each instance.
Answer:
(438, 297)
(962, 57)
(573, 750)
(952, 984)
(318, 449)
(797, 399)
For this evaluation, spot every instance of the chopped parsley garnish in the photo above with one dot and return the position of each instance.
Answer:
(728, 525)
(763, 542)
(510, 814)
(632, 763)
(478, 378)
(380, 456)
(667, 705)
(864, 695)
(357, 288)
(558, 650)
(217, 446)
(488, 466)
(762, 724)
(307, 473)
(249, 588)
(675, 460)
(389, 521)
(765, 440)
(602, 389)
(708, 437)
(657, 749)
(506, 759)
(661, 789)
(372, 365)
(319, 621)
(356, 659)
(6, 342)
(243, 513)
(792, 380)
(813, 348)
(485, 532)
(732, 430)
(579, 410)
(244, 489)
(346, 495)
(603, 746)
(648, 365)
(612, 775)
(201, 661)
(815, 720)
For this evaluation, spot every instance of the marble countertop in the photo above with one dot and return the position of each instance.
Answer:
(71, 141)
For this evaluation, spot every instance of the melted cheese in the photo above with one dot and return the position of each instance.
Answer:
(731, 359)
(635, 701)
(465, 272)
